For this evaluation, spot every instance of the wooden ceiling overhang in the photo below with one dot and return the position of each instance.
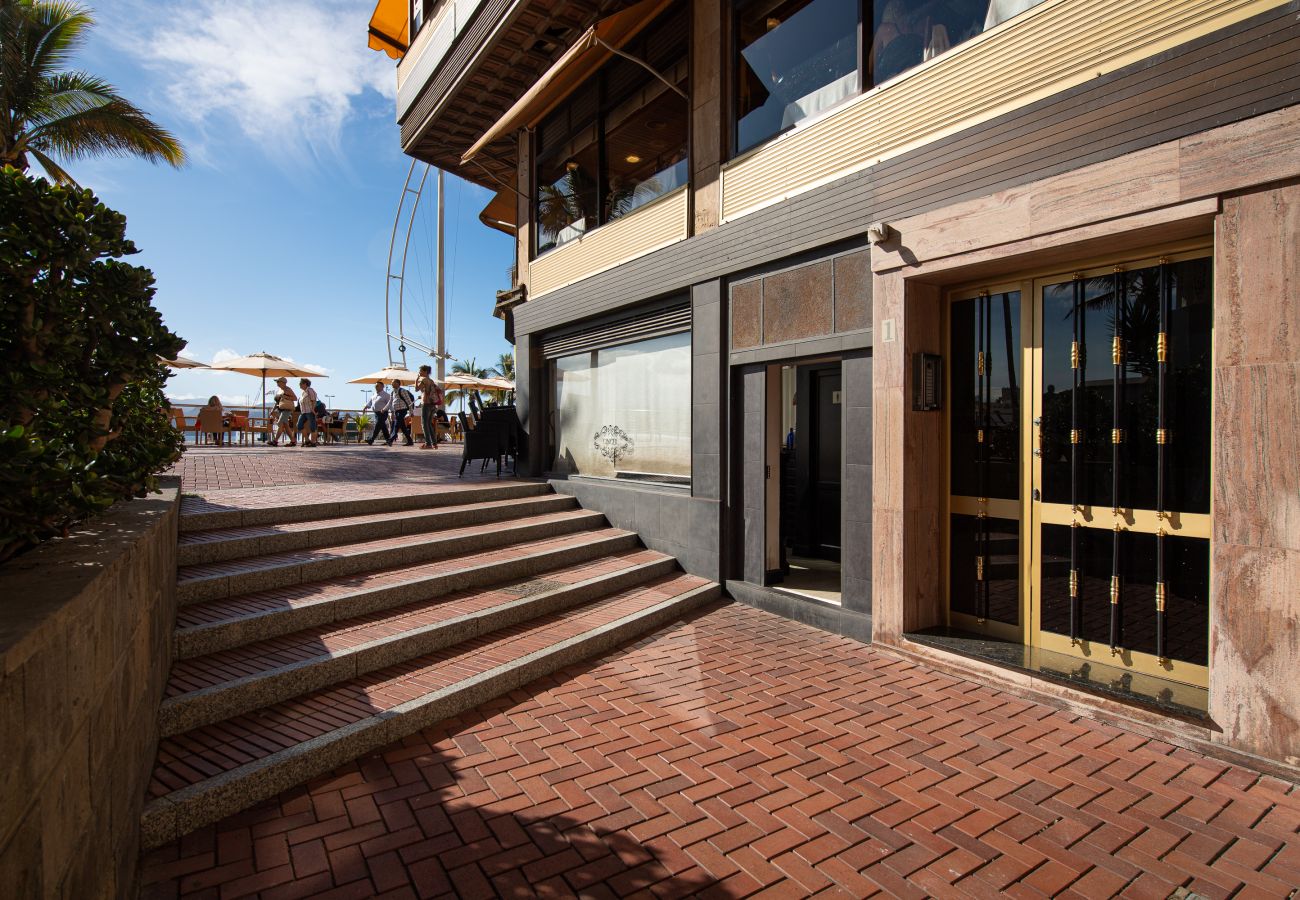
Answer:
(484, 74)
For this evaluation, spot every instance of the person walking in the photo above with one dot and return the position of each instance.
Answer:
(381, 404)
(307, 416)
(432, 395)
(285, 401)
(403, 403)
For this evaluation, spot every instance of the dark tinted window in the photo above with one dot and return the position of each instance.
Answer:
(795, 59)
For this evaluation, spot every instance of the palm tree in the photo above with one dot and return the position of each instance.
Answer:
(47, 109)
(505, 366)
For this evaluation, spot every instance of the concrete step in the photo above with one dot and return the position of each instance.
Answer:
(211, 626)
(213, 771)
(222, 544)
(212, 581)
(219, 685)
(274, 506)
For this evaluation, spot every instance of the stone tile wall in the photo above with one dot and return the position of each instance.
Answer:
(85, 648)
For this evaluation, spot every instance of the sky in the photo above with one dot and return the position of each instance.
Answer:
(274, 237)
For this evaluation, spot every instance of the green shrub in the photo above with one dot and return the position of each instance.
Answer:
(83, 418)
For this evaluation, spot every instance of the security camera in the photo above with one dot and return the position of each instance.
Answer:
(879, 232)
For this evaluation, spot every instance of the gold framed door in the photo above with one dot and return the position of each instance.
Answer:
(1119, 516)
(985, 544)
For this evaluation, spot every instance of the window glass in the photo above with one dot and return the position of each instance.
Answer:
(645, 149)
(618, 142)
(567, 188)
(625, 411)
(796, 59)
(905, 33)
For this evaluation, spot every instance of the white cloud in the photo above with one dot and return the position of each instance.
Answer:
(288, 74)
(223, 355)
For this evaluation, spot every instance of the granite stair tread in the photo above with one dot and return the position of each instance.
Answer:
(223, 544)
(209, 581)
(213, 686)
(276, 505)
(211, 771)
(213, 625)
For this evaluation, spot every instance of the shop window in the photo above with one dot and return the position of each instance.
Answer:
(617, 143)
(624, 411)
(796, 58)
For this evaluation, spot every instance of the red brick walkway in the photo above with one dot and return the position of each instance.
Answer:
(221, 468)
(740, 754)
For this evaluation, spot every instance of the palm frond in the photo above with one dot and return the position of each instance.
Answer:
(116, 128)
(53, 169)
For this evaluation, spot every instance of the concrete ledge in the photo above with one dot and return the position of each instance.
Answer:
(825, 616)
(85, 648)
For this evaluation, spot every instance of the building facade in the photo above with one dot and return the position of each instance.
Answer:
(969, 327)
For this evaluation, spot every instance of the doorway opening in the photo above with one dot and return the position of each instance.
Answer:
(804, 437)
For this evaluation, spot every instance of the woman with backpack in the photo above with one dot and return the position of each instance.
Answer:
(433, 395)
(403, 403)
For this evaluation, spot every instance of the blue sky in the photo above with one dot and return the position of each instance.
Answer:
(275, 236)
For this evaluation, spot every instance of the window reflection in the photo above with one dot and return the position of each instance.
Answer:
(796, 59)
(618, 142)
(799, 57)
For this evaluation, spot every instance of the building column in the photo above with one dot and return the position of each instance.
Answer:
(1255, 548)
(907, 495)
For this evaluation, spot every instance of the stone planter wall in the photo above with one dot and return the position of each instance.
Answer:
(85, 648)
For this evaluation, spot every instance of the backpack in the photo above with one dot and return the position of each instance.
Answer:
(407, 397)
(320, 408)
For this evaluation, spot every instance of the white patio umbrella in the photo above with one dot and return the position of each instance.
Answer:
(386, 375)
(498, 384)
(265, 364)
(181, 362)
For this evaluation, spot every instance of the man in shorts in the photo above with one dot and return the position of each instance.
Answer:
(282, 418)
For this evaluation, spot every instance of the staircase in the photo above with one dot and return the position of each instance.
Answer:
(313, 634)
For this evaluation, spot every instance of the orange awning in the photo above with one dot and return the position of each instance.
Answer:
(577, 64)
(501, 213)
(388, 27)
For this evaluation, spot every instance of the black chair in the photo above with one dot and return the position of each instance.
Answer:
(482, 442)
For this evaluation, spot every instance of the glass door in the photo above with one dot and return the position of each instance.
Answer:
(987, 481)
(1120, 469)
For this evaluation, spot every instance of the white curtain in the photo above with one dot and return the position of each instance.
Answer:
(625, 409)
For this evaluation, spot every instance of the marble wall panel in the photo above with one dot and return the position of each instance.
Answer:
(1257, 303)
(746, 314)
(853, 291)
(797, 303)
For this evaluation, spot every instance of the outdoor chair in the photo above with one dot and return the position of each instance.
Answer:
(239, 419)
(210, 423)
(480, 443)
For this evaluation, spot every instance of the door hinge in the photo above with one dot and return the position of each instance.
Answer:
(767, 472)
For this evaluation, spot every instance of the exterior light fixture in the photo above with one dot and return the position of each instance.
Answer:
(879, 232)
(571, 166)
(632, 158)
(772, 22)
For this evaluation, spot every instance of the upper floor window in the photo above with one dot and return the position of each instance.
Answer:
(796, 58)
(618, 142)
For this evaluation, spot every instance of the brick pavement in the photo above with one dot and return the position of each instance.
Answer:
(739, 754)
(204, 469)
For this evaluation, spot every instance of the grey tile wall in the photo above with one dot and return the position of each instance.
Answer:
(855, 524)
(668, 519)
